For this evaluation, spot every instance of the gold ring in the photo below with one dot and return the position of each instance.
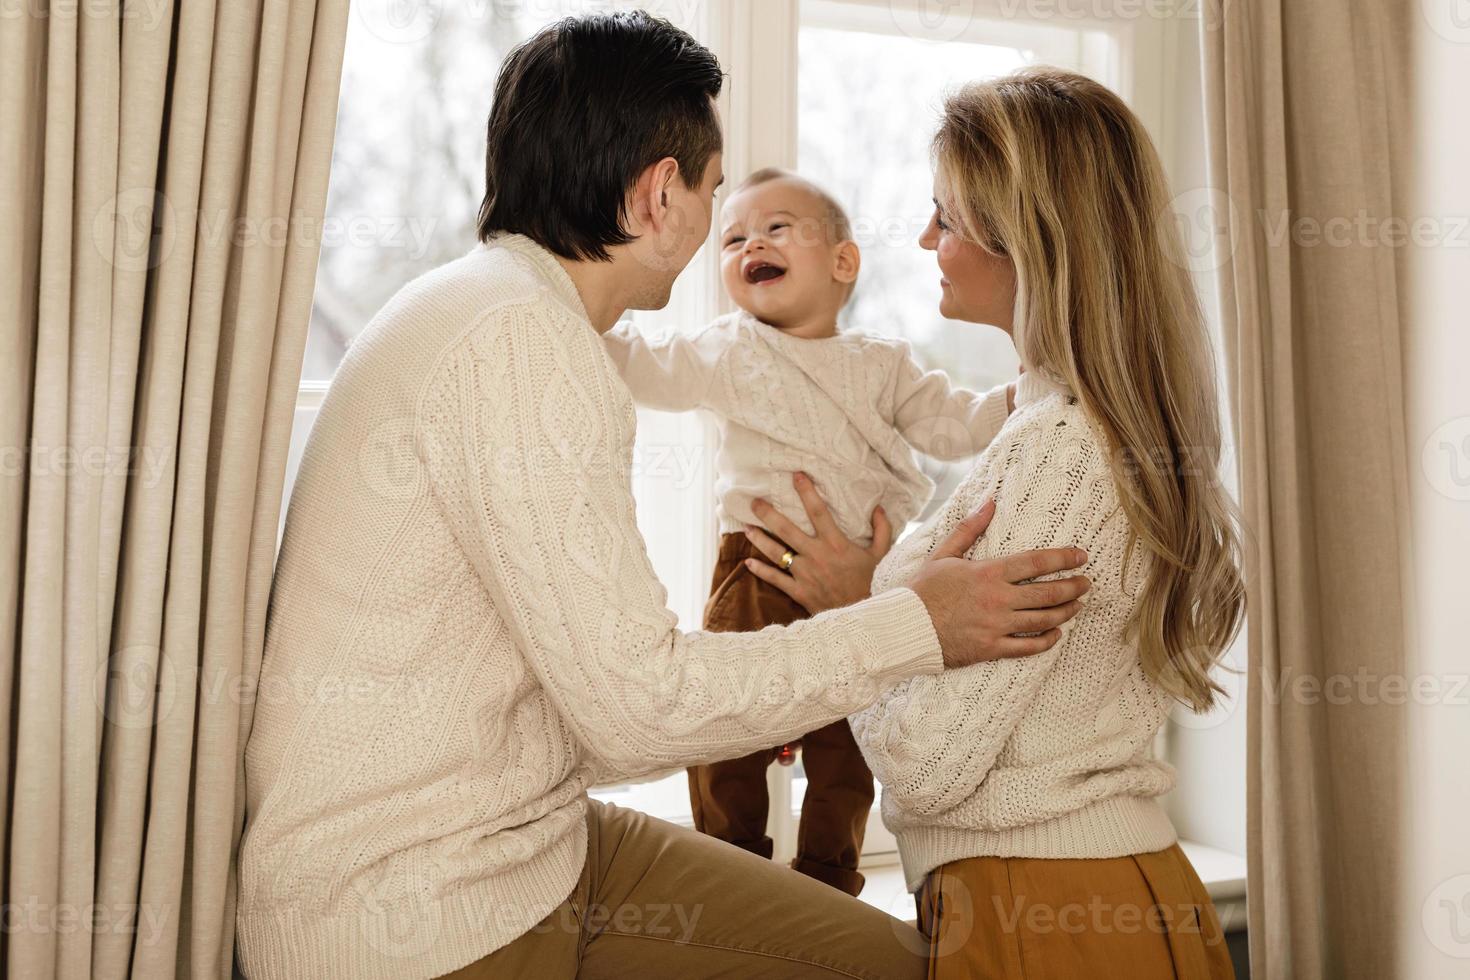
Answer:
(787, 557)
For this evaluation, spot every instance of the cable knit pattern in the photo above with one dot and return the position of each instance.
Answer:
(1046, 756)
(848, 410)
(465, 632)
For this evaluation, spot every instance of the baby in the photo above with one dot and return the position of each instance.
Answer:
(792, 394)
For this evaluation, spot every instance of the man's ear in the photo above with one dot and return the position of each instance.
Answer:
(846, 262)
(651, 199)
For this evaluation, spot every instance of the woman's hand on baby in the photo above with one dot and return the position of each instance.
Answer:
(978, 607)
(829, 570)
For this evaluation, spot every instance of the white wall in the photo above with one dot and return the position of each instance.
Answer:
(1435, 907)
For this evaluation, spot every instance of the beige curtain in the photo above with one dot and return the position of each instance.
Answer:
(163, 172)
(1307, 105)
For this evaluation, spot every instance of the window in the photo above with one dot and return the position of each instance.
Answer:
(847, 92)
(407, 164)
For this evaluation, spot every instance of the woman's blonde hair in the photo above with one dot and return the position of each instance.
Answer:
(1053, 170)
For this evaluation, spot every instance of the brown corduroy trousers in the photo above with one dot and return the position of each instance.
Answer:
(729, 798)
(1141, 917)
(655, 901)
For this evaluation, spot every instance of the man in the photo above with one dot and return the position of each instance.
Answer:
(459, 648)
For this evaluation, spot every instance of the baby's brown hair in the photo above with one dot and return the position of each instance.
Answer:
(834, 216)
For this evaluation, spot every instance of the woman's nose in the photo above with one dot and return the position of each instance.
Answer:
(929, 237)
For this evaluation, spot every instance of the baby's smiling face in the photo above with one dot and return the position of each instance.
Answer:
(782, 260)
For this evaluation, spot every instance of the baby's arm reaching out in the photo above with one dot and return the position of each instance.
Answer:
(941, 420)
(671, 373)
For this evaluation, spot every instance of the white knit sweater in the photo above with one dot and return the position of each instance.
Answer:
(465, 632)
(845, 409)
(1047, 756)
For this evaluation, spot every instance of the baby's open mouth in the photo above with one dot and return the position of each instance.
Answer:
(760, 272)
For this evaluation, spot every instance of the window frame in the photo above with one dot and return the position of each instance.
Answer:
(758, 44)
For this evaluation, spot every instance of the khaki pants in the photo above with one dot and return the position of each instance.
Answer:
(1142, 917)
(657, 901)
(729, 799)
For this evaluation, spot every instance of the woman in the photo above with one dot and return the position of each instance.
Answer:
(1023, 793)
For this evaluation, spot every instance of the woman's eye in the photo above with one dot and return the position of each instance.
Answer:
(939, 222)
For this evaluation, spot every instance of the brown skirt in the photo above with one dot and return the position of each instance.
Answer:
(1143, 917)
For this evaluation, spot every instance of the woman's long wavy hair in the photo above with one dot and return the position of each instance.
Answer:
(1053, 170)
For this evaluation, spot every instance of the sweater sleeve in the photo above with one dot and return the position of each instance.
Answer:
(939, 419)
(528, 441)
(932, 741)
(670, 373)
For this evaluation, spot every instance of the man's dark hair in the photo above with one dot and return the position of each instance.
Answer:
(581, 109)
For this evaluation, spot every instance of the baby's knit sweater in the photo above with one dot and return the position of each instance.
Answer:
(848, 410)
(1046, 756)
(465, 633)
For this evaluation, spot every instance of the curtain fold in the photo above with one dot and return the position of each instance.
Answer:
(1308, 107)
(163, 173)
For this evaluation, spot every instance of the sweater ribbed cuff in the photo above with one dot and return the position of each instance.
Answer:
(419, 939)
(1114, 827)
(903, 634)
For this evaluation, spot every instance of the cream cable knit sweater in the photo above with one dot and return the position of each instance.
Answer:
(1046, 756)
(844, 409)
(465, 633)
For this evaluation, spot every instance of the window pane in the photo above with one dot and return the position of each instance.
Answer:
(666, 798)
(869, 104)
(408, 161)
